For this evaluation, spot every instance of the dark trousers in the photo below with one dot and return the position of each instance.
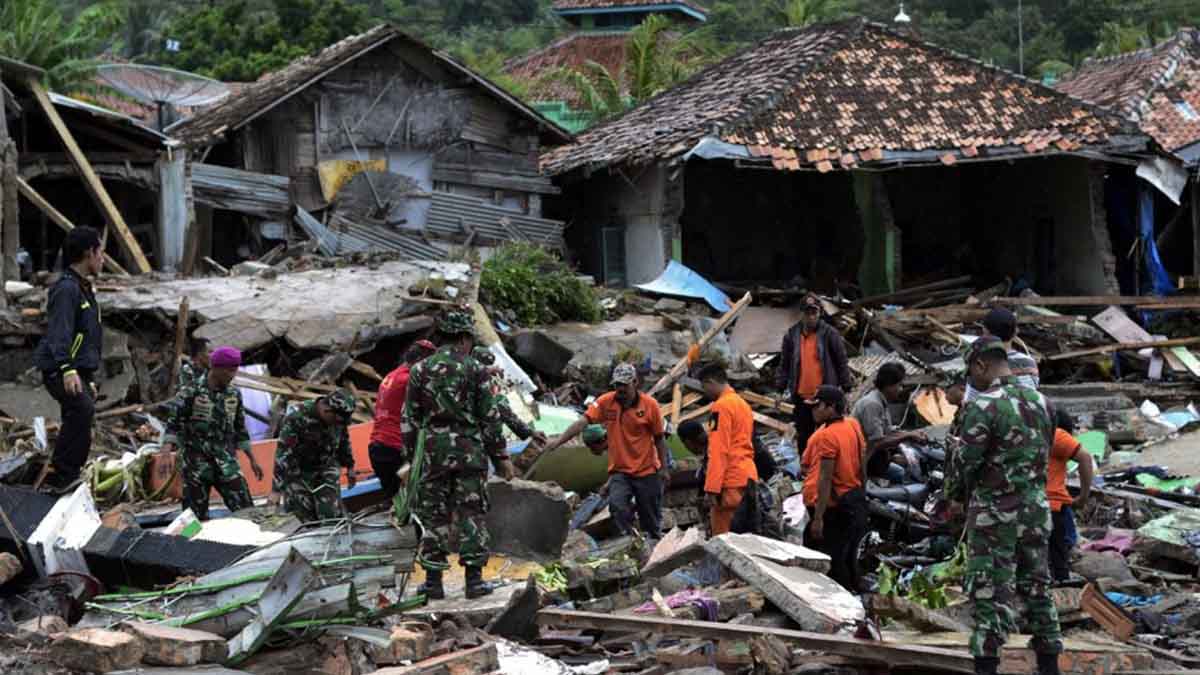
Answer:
(1062, 540)
(75, 435)
(386, 462)
(627, 495)
(803, 419)
(844, 527)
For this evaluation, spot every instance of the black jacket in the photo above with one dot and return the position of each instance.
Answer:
(830, 349)
(73, 338)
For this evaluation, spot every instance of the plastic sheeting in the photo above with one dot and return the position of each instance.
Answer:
(1160, 281)
(258, 402)
(679, 280)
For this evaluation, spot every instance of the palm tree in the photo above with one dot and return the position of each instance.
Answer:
(654, 60)
(802, 13)
(34, 31)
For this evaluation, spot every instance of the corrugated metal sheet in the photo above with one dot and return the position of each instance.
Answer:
(453, 216)
(255, 194)
(349, 237)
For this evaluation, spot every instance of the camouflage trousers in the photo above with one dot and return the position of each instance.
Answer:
(202, 472)
(316, 496)
(458, 501)
(1007, 559)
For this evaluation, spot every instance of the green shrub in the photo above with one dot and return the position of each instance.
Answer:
(536, 287)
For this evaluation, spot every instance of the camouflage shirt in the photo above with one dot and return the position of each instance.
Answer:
(190, 373)
(203, 420)
(1006, 434)
(451, 398)
(308, 449)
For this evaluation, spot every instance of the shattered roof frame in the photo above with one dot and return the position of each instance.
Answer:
(843, 94)
(257, 98)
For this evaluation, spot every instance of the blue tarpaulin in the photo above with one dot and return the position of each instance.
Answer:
(1160, 281)
(679, 280)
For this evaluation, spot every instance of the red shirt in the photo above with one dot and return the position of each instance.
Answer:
(389, 408)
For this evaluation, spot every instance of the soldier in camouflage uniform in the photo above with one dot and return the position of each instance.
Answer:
(206, 421)
(313, 445)
(522, 430)
(1006, 434)
(452, 400)
(194, 368)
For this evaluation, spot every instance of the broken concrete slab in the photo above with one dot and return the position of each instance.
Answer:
(542, 352)
(676, 549)
(478, 612)
(410, 641)
(169, 646)
(248, 312)
(915, 615)
(783, 572)
(48, 624)
(96, 650)
(527, 518)
(147, 559)
(1168, 536)
(518, 619)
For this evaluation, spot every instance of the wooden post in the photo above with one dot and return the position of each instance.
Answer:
(181, 325)
(59, 219)
(676, 403)
(91, 181)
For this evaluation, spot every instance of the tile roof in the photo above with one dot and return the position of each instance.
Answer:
(256, 97)
(1146, 86)
(560, 5)
(835, 95)
(607, 49)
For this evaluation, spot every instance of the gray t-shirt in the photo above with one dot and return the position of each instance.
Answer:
(872, 413)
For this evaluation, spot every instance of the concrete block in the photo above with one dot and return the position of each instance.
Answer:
(783, 573)
(48, 624)
(518, 619)
(482, 659)
(527, 518)
(541, 352)
(168, 646)
(410, 641)
(678, 548)
(96, 650)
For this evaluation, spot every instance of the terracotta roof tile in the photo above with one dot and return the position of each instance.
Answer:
(847, 87)
(1150, 86)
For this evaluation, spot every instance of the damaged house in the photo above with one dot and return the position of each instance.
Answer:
(849, 154)
(1158, 88)
(378, 142)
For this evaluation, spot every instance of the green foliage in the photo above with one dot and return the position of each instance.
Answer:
(925, 586)
(536, 287)
(801, 13)
(233, 41)
(36, 32)
(655, 60)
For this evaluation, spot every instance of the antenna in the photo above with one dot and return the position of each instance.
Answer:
(162, 86)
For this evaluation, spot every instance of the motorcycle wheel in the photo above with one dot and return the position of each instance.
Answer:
(866, 557)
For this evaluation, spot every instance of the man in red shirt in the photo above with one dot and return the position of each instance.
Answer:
(637, 451)
(834, 466)
(387, 442)
(1062, 506)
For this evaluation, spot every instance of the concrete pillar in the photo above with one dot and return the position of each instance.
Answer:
(10, 231)
(175, 212)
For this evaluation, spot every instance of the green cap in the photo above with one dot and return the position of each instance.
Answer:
(456, 323)
(983, 345)
(483, 355)
(594, 433)
(341, 402)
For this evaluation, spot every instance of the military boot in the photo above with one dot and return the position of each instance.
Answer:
(432, 588)
(476, 586)
(1048, 664)
(986, 665)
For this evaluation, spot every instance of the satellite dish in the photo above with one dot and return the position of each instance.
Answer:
(162, 86)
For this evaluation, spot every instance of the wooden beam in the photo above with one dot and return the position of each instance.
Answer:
(681, 367)
(181, 324)
(918, 291)
(676, 403)
(59, 219)
(91, 181)
(757, 399)
(1124, 347)
(884, 653)
(1184, 302)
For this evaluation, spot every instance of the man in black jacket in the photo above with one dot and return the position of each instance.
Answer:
(69, 354)
(812, 355)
